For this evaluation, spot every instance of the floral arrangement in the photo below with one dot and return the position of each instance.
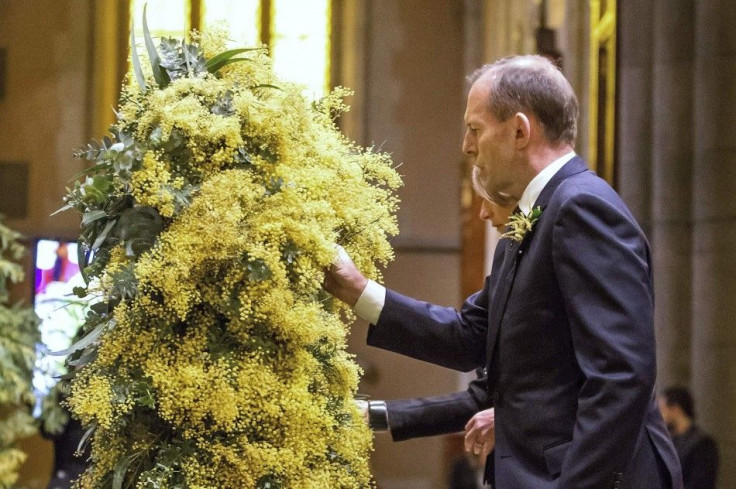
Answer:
(18, 337)
(212, 357)
(520, 224)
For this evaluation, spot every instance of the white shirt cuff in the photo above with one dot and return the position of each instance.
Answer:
(371, 301)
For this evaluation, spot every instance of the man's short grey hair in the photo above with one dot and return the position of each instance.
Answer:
(532, 84)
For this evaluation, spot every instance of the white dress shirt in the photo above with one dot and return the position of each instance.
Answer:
(371, 301)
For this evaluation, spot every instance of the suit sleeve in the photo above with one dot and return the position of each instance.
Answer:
(601, 260)
(436, 415)
(435, 334)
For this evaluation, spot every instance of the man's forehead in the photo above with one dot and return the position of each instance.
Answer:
(477, 103)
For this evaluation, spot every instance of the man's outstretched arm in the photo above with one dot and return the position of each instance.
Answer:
(440, 335)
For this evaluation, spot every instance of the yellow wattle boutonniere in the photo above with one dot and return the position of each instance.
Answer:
(520, 224)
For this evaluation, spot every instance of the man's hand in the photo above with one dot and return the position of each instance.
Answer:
(480, 433)
(343, 280)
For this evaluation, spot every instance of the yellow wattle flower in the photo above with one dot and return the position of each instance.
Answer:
(226, 364)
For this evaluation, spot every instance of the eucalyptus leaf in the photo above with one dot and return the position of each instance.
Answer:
(170, 57)
(155, 136)
(89, 171)
(86, 437)
(243, 158)
(103, 235)
(83, 343)
(65, 208)
(120, 470)
(258, 271)
(84, 359)
(83, 259)
(92, 216)
(161, 77)
(224, 105)
(185, 51)
(176, 140)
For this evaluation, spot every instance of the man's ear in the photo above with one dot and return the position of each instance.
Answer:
(523, 130)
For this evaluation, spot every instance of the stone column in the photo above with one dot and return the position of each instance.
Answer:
(634, 118)
(672, 167)
(714, 232)
(654, 150)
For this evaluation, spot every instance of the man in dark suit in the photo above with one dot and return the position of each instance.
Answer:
(697, 450)
(567, 335)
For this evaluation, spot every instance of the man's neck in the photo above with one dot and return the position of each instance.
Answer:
(539, 159)
(545, 155)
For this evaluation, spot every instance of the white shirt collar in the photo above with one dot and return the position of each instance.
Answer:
(535, 187)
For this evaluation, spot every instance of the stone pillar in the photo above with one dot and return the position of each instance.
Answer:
(655, 160)
(634, 118)
(714, 232)
(672, 167)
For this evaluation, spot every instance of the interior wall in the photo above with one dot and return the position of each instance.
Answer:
(410, 102)
(412, 96)
(43, 118)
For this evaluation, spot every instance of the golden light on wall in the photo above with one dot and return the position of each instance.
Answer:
(300, 40)
(243, 18)
(166, 18)
(602, 88)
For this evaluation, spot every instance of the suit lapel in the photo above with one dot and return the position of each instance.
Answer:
(508, 269)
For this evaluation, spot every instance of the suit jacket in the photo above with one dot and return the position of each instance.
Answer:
(443, 414)
(698, 454)
(435, 415)
(565, 328)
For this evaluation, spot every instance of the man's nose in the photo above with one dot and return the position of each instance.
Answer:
(468, 146)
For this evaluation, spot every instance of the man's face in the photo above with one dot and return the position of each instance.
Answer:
(489, 143)
(668, 413)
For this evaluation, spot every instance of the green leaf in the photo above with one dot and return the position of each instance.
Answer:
(138, 228)
(84, 359)
(216, 62)
(80, 292)
(88, 171)
(83, 259)
(103, 235)
(233, 60)
(92, 216)
(265, 85)
(258, 271)
(83, 343)
(161, 77)
(185, 51)
(86, 437)
(136, 60)
(121, 470)
(65, 208)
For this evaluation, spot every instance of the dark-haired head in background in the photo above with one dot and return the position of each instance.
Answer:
(697, 450)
